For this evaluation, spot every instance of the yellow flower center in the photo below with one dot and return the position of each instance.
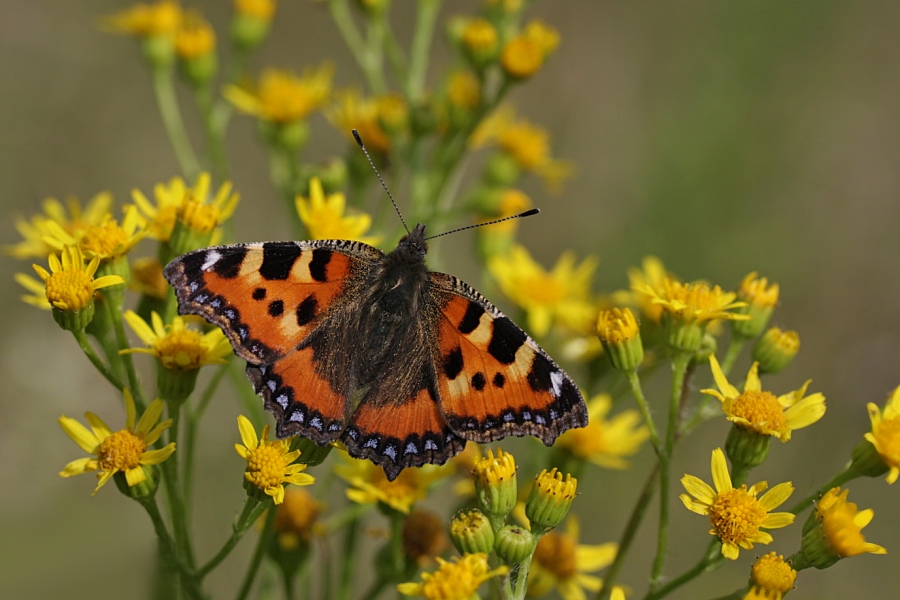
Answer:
(492, 470)
(70, 290)
(757, 291)
(522, 57)
(556, 554)
(464, 90)
(197, 215)
(736, 516)
(480, 35)
(527, 144)
(196, 38)
(181, 349)
(103, 240)
(543, 289)
(454, 581)
(266, 465)
(121, 451)
(772, 573)
(617, 325)
(760, 409)
(552, 483)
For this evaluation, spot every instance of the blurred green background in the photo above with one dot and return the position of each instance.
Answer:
(724, 137)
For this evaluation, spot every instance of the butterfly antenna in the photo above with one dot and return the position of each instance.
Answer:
(378, 175)
(527, 213)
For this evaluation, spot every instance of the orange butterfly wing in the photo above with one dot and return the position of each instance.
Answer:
(493, 379)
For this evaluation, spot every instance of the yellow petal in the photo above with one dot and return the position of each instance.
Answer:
(154, 457)
(806, 412)
(248, 434)
(86, 440)
(863, 517)
(300, 479)
(778, 520)
(410, 589)
(159, 328)
(135, 476)
(777, 495)
(593, 558)
(730, 551)
(277, 493)
(104, 477)
(752, 384)
(721, 381)
(699, 489)
(242, 451)
(720, 475)
(140, 327)
(77, 467)
(149, 418)
(694, 506)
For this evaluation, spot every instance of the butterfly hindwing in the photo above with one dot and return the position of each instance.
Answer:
(266, 297)
(494, 380)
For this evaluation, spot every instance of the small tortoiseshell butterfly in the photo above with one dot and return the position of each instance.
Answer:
(401, 364)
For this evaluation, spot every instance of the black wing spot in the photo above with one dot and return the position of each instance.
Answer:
(506, 340)
(306, 310)
(453, 363)
(259, 294)
(278, 260)
(539, 374)
(276, 308)
(479, 381)
(229, 266)
(317, 266)
(499, 381)
(471, 319)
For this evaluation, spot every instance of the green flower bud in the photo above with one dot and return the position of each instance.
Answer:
(513, 544)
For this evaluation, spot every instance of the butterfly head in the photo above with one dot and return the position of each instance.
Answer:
(412, 246)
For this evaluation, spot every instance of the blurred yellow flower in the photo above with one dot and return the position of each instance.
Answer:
(736, 515)
(296, 518)
(606, 442)
(463, 89)
(176, 346)
(521, 57)
(121, 451)
(195, 37)
(107, 240)
(203, 214)
(147, 278)
(458, 580)
(352, 111)
(69, 285)
(324, 217)
(652, 274)
(260, 9)
(70, 217)
(147, 20)
(269, 462)
(281, 96)
(369, 484)
(562, 294)
(885, 434)
(692, 302)
(761, 411)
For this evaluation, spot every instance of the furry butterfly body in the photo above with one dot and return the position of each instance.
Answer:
(401, 364)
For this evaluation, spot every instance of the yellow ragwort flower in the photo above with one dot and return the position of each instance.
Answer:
(562, 294)
(203, 214)
(296, 518)
(692, 302)
(69, 285)
(269, 462)
(652, 273)
(606, 442)
(841, 524)
(281, 96)
(70, 217)
(176, 346)
(885, 434)
(761, 411)
(512, 202)
(521, 57)
(463, 89)
(324, 217)
(561, 563)
(457, 580)
(147, 278)
(424, 536)
(195, 37)
(352, 111)
(123, 451)
(546, 37)
(736, 515)
(756, 291)
(772, 578)
(369, 484)
(107, 240)
(147, 20)
(260, 9)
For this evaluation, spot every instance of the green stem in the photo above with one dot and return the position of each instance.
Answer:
(249, 399)
(193, 420)
(261, 545)
(167, 102)
(635, 382)
(215, 136)
(522, 577)
(168, 551)
(95, 359)
(426, 17)
(711, 561)
(174, 498)
(348, 560)
(679, 367)
(631, 528)
(370, 65)
(734, 350)
(841, 478)
(249, 514)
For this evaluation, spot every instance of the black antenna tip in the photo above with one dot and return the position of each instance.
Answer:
(357, 138)
(528, 213)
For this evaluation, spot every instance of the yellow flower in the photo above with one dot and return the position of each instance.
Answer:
(512, 202)
(147, 20)
(761, 411)
(756, 291)
(176, 346)
(281, 96)
(736, 514)
(480, 41)
(841, 524)
(775, 349)
(618, 331)
(352, 111)
(324, 217)
(692, 302)
(521, 57)
(192, 205)
(70, 217)
(772, 577)
(561, 563)
(463, 89)
(885, 434)
(269, 462)
(107, 240)
(295, 518)
(457, 580)
(195, 38)
(147, 278)
(260, 9)
(369, 484)
(424, 536)
(121, 451)
(606, 443)
(70, 284)
(546, 38)
(562, 294)
(652, 274)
